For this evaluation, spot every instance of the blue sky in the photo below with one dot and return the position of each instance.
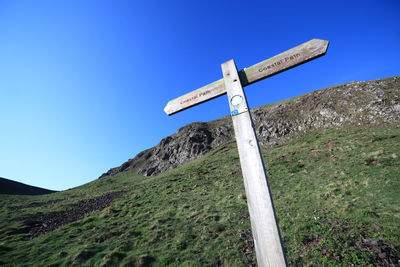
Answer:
(83, 84)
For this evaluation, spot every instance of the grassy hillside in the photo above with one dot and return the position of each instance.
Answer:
(16, 188)
(336, 194)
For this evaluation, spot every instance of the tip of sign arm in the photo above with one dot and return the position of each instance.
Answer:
(286, 60)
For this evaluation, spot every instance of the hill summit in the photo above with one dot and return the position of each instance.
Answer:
(358, 103)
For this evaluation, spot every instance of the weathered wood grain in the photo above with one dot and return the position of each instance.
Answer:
(264, 226)
(291, 58)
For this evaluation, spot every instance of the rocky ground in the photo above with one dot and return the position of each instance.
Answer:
(42, 223)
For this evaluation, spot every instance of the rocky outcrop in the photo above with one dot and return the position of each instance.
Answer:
(188, 143)
(358, 103)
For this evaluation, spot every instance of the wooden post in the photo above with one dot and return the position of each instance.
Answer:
(264, 226)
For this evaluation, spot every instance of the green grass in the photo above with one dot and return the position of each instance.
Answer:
(331, 190)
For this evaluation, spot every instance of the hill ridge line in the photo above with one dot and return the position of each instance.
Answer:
(12, 187)
(357, 102)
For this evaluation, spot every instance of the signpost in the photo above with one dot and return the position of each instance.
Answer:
(267, 240)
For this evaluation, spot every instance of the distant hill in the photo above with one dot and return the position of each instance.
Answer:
(16, 188)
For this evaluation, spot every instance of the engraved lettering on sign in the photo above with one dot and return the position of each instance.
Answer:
(195, 97)
(189, 99)
(292, 57)
(278, 63)
(204, 93)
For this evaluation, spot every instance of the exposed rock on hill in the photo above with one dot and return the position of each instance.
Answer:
(188, 143)
(359, 103)
(42, 223)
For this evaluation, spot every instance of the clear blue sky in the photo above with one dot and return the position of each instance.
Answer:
(83, 84)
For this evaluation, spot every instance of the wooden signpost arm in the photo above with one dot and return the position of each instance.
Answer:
(284, 61)
(269, 249)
